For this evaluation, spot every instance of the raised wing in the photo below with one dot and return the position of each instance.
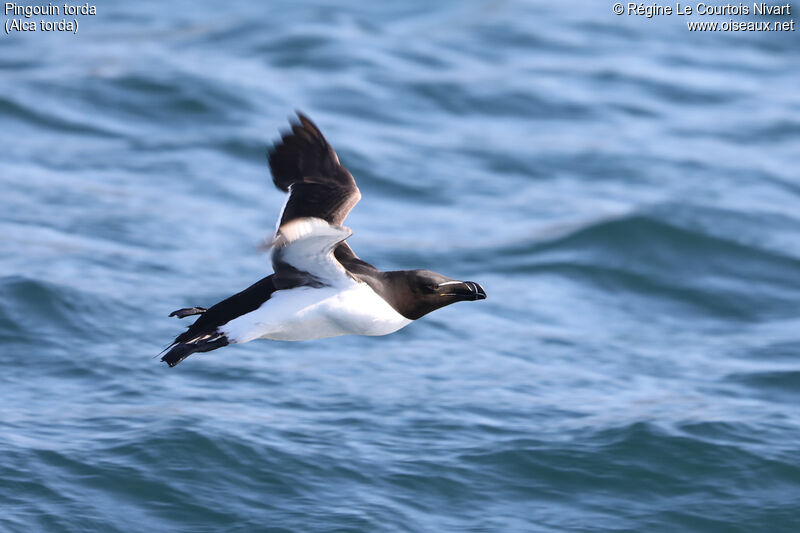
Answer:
(302, 254)
(305, 165)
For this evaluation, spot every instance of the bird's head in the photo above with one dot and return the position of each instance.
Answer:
(418, 292)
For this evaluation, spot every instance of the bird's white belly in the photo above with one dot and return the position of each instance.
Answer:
(306, 313)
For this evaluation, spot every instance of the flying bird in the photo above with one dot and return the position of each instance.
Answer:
(320, 287)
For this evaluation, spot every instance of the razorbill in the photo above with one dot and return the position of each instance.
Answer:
(320, 288)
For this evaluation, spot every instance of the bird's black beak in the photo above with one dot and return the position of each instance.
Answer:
(463, 290)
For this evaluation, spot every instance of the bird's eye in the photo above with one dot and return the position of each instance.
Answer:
(432, 287)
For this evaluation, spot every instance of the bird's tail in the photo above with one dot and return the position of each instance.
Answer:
(188, 311)
(181, 350)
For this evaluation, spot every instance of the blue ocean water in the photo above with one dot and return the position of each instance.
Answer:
(626, 192)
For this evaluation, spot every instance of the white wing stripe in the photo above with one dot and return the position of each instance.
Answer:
(285, 203)
(307, 245)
